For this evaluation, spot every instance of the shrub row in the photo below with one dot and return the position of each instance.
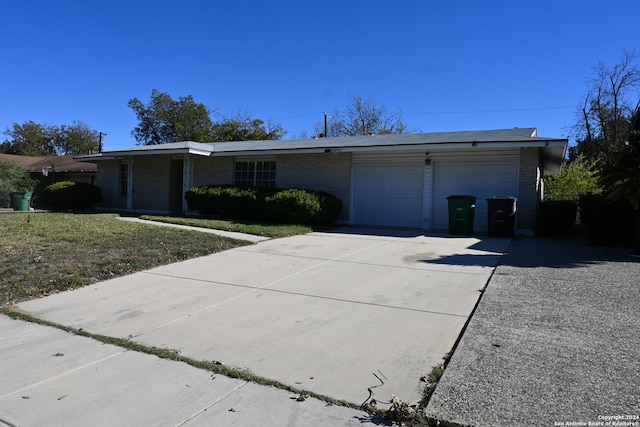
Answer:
(603, 222)
(556, 218)
(67, 195)
(292, 206)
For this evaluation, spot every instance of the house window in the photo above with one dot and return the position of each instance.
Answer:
(124, 179)
(256, 174)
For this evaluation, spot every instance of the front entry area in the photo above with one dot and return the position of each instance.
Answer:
(175, 190)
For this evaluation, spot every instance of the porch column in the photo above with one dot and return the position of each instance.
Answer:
(187, 179)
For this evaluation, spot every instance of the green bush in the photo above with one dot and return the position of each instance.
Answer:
(292, 206)
(13, 178)
(330, 208)
(556, 218)
(577, 178)
(67, 195)
(229, 201)
(205, 199)
(605, 222)
(303, 207)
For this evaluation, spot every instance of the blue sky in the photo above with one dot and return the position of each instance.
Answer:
(446, 65)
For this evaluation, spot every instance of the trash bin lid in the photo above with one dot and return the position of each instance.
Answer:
(502, 198)
(461, 197)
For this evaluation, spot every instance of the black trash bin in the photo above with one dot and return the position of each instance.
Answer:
(501, 215)
(461, 214)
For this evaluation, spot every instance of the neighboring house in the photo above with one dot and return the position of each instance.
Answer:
(49, 169)
(383, 180)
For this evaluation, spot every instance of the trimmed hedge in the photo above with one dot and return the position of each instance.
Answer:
(230, 201)
(557, 218)
(605, 222)
(67, 195)
(303, 207)
(292, 206)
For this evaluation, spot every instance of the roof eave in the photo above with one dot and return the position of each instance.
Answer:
(112, 155)
(552, 158)
(561, 143)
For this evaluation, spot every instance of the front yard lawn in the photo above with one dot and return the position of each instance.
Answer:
(45, 253)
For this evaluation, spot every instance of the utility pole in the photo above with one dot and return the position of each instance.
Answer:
(100, 141)
(326, 127)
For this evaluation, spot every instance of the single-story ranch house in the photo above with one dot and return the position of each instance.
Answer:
(396, 180)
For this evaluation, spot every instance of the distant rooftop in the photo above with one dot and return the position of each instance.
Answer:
(55, 163)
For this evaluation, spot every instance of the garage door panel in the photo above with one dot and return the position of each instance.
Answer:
(482, 179)
(388, 194)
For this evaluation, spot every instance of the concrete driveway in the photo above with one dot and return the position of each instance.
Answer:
(322, 312)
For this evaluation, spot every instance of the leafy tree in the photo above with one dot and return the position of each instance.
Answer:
(605, 114)
(76, 139)
(241, 127)
(164, 120)
(29, 139)
(578, 178)
(13, 177)
(35, 139)
(365, 117)
(624, 176)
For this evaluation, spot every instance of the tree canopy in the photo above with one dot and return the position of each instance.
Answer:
(365, 117)
(163, 120)
(624, 177)
(36, 139)
(604, 116)
(241, 127)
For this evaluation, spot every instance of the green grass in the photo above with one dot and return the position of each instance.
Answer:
(45, 253)
(258, 229)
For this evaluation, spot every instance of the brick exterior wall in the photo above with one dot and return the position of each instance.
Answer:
(108, 179)
(528, 188)
(326, 172)
(151, 183)
(212, 170)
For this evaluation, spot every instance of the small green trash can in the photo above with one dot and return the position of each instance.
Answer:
(461, 214)
(21, 201)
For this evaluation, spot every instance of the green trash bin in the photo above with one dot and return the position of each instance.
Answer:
(461, 214)
(21, 201)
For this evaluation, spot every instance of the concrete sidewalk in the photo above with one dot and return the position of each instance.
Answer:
(555, 340)
(327, 312)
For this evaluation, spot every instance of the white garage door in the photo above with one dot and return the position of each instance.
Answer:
(388, 193)
(482, 178)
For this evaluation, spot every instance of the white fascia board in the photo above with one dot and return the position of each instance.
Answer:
(197, 152)
(119, 154)
(94, 158)
(273, 152)
(399, 147)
